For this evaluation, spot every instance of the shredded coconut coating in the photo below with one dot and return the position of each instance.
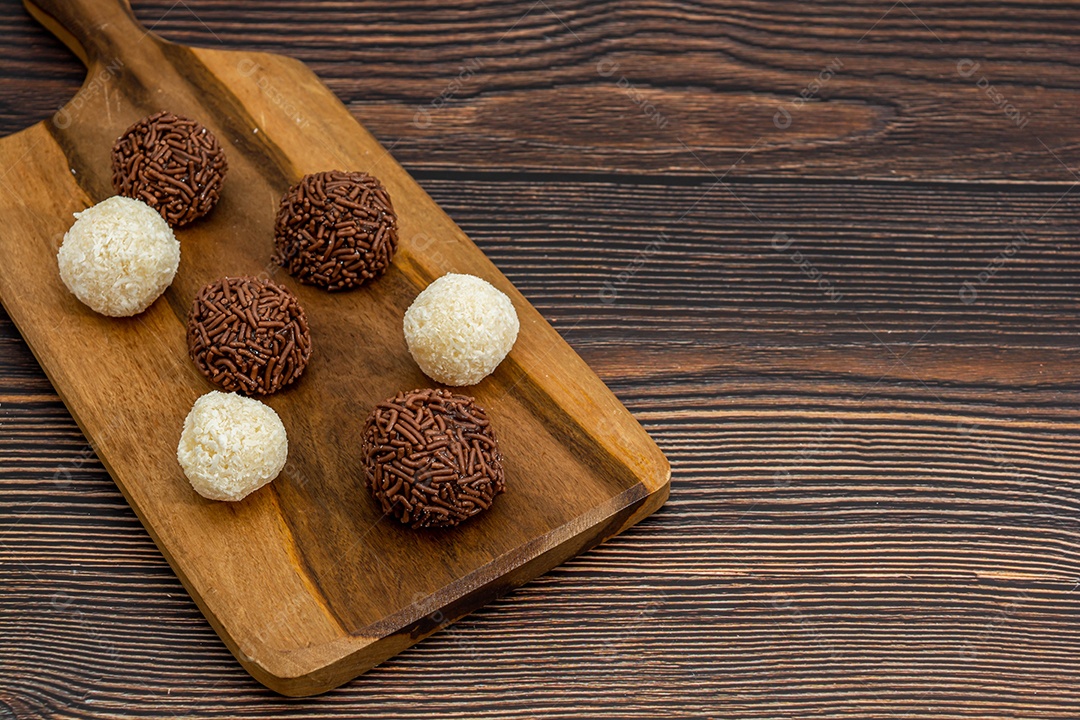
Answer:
(460, 328)
(119, 256)
(231, 446)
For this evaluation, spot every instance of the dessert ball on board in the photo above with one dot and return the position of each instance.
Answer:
(460, 328)
(248, 335)
(336, 230)
(118, 257)
(231, 446)
(431, 459)
(171, 163)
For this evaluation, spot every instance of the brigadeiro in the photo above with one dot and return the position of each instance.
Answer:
(431, 458)
(336, 230)
(248, 335)
(173, 164)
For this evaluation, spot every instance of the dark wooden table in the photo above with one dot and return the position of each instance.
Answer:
(827, 253)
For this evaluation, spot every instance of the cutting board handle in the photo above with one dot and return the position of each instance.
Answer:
(95, 30)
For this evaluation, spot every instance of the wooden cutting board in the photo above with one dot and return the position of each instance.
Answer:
(305, 581)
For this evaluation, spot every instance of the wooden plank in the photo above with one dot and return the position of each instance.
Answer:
(903, 571)
(574, 85)
(920, 559)
(785, 264)
(304, 582)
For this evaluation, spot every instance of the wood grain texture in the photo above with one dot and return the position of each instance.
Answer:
(307, 582)
(563, 85)
(919, 559)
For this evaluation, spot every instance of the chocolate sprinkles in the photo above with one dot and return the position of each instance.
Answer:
(431, 458)
(336, 230)
(248, 335)
(173, 164)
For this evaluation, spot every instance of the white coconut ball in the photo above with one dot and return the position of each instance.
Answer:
(460, 328)
(231, 446)
(119, 256)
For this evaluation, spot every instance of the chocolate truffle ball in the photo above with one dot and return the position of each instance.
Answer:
(248, 335)
(336, 230)
(431, 458)
(118, 257)
(231, 446)
(171, 163)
